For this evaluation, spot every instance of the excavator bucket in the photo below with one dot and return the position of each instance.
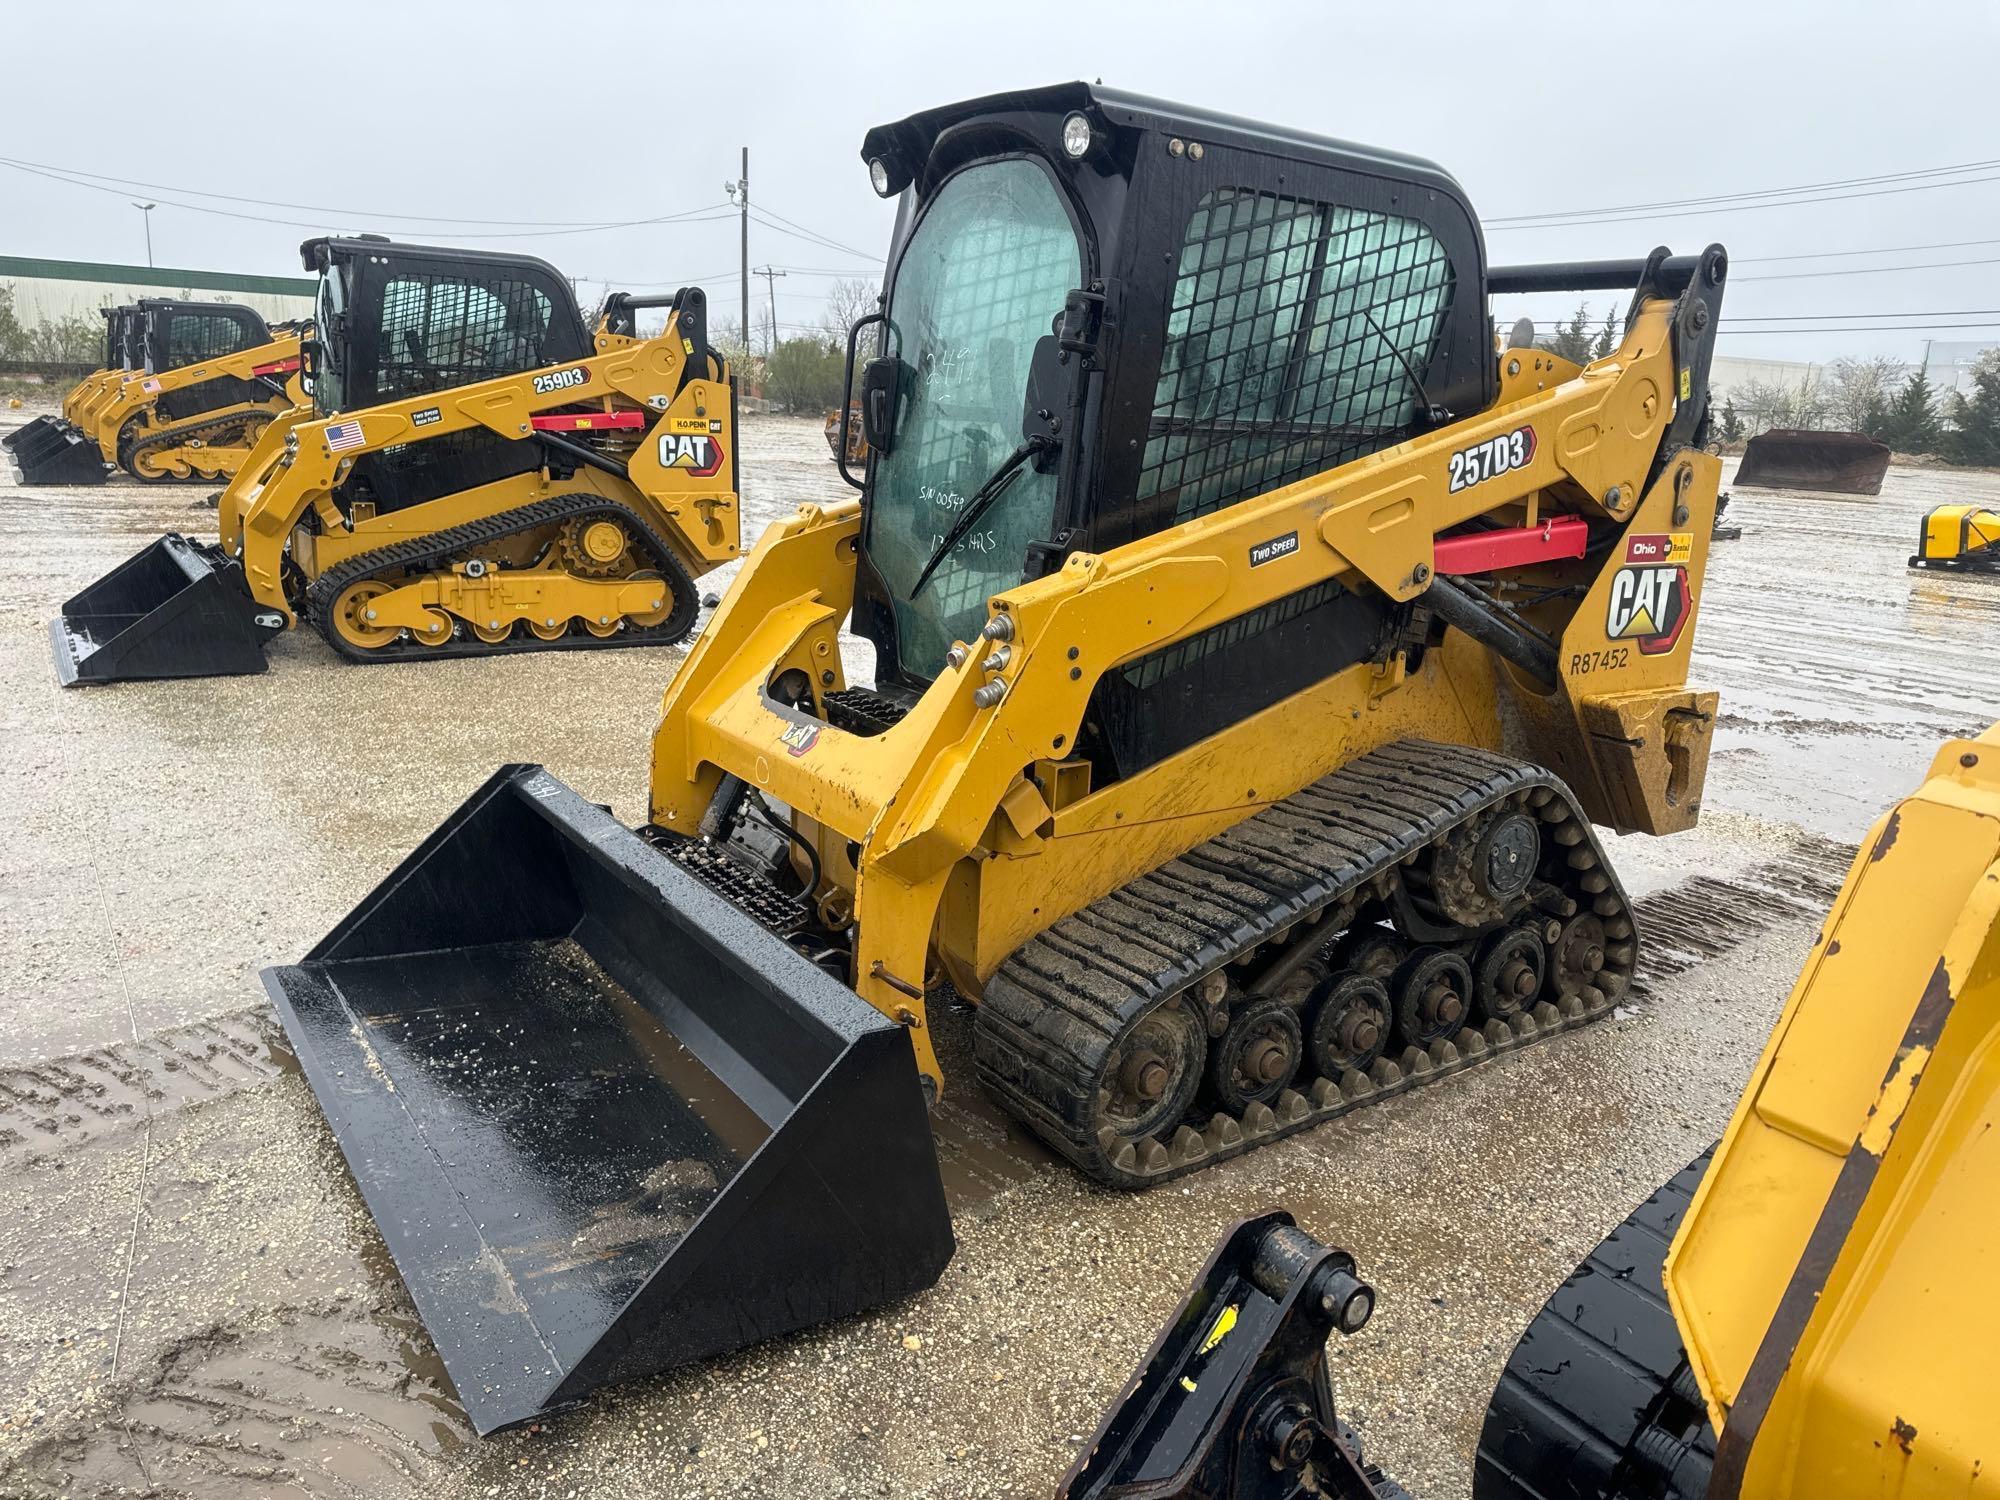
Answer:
(606, 1122)
(49, 451)
(177, 609)
(1846, 463)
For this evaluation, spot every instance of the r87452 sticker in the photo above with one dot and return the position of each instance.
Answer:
(1496, 456)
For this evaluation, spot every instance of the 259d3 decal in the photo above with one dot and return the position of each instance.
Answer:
(1650, 599)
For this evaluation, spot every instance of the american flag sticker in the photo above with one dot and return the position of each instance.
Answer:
(343, 435)
(149, 385)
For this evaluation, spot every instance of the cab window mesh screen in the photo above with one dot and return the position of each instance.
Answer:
(194, 337)
(440, 330)
(1287, 334)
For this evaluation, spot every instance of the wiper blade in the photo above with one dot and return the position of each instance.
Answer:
(981, 502)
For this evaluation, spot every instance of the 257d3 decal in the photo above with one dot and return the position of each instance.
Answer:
(1496, 456)
(1650, 598)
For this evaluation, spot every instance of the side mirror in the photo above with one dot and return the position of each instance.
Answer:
(1046, 395)
(309, 352)
(881, 401)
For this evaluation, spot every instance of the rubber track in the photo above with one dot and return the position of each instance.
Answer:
(179, 433)
(1597, 1399)
(440, 546)
(1054, 1011)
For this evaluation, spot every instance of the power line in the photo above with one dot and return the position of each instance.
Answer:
(702, 215)
(813, 233)
(317, 208)
(1726, 332)
(1750, 260)
(1706, 199)
(1928, 265)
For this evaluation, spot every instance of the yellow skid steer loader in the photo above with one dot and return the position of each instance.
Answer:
(1801, 1314)
(1255, 647)
(477, 472)
(60, 449)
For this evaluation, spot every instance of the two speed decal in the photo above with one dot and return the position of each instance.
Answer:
(1496, 456)
(560, 380)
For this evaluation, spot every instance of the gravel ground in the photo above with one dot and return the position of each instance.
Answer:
(193, 1300)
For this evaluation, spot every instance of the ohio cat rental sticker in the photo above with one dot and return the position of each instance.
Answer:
(1650, 598)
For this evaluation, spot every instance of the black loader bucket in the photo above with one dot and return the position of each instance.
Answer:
(606, 1122)
(50, 451)
(178, 609)
(1846, 463)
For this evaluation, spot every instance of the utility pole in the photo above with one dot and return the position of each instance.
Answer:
(147, 210)
(771, 275)
(739, 194)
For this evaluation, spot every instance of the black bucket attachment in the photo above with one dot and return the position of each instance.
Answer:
(1846, 463)
(177, 609)
(50, 451)
(606, 1122)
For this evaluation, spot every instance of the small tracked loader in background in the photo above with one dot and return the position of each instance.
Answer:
(212, 376)
(1255, 648)
(1801, 1314)
(476, 472)
(58, 450)
(1960, 538)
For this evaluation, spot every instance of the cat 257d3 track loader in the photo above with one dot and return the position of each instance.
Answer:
(477, 472)
(1255, 648)
(212, 377)
(1801, 1314)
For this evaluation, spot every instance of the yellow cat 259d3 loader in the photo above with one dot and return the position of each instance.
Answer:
(1799, 1315)
(1255, 647)
(59, 449)
(478, 472)
(213, 376)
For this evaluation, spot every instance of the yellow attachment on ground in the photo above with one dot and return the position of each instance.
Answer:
(1952, 532)
(1833, 1277)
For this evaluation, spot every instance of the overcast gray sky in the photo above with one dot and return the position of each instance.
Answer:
(599, 111)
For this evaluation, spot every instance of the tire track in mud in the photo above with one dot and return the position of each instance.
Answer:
(1706, 916)
(65, 1102)
(338, 1399)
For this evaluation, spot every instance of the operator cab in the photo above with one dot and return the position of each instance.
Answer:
(394, 321)
(1106, 315)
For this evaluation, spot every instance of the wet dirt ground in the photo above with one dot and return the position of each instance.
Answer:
(193, 1300)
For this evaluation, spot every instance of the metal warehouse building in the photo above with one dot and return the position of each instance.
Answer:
(51, 290)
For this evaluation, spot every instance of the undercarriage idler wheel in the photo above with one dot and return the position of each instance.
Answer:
(1372, 950)
(1508, 974)
(1349, 1024)
(1151, 1075)
(646, 619)
(493, 632)
(353, 615)
(1577, 956)
(552, 628)
(1431, 991)
(1257, 1057)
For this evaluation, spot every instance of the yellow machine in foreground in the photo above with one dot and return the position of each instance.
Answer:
(1959, 537)
(477, 472)
(1814, 1290)
(1255, 648)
